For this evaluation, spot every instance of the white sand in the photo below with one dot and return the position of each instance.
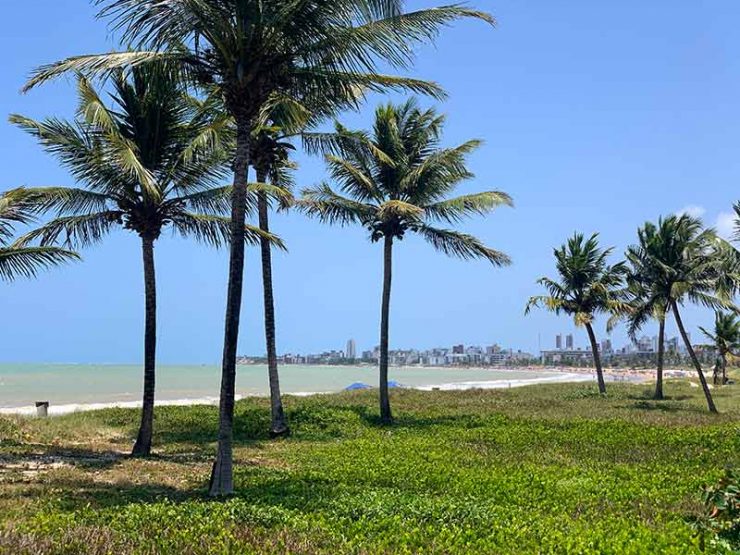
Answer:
(78, 407)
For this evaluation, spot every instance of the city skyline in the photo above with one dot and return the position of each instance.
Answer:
(480, 353)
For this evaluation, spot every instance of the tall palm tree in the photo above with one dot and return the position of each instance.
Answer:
(252, 50)
(726, 339)
(675, 261)
(397, 180)
(646, 302)
(269, 157)
(144, 168)
(587, 286)
(18, 206)
(283, 120)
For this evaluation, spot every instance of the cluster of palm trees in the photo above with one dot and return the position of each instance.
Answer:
(675, 261)
(208, 88)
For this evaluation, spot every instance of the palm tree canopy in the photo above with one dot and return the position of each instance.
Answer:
(587, 284)
(679, 260)
(726, 333)
(323, 52)
(17, 260)
(397, 179)
(143, 163)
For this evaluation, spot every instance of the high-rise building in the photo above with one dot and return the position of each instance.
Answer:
(458, 349)
(569, 342)
(559, 342)
(606, 346)
(351, 352)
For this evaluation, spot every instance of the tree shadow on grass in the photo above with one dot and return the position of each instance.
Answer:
(666, 405)
(39, 458)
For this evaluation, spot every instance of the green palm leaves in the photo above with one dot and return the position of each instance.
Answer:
(17, 259)
(726, 339)
(397, 180)
(143, 163)
(675, 261)
(587, 286)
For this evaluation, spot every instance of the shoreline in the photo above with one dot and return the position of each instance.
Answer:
(69, 408)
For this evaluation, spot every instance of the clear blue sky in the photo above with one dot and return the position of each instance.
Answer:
(596, 117)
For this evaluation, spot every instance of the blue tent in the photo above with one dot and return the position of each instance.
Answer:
(391, 383)
(357, 385)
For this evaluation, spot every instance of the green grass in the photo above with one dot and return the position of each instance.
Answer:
(542, 469)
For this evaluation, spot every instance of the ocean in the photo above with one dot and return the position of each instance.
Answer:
(77, 386)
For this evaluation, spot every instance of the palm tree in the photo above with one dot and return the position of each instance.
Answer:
(646, 302)
(726, 339)
(397, 180)
(676, 261)
(18, 206)
(269, 157)
(252, 50)
(588, 285)
(144, 167)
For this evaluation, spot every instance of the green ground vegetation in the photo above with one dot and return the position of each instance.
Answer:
(540, 469)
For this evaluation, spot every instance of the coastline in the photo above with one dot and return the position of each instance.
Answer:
(557, 375)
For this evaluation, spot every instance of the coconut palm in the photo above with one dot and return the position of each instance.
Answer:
(646, 302)
(676, 261)
(726, 340)
(18, 206)
(270, 150)
(587, 285)
(143, 168)
(269, 157)
(252, 50)
(397, 180)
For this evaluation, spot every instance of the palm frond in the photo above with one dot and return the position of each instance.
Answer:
(326, 205)
(75, 231)
(456, 209)
(29, 261)
(462, 245)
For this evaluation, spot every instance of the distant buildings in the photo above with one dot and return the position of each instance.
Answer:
(351, 352)
(643, 350)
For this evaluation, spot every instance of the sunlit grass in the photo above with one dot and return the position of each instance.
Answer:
(551, 469)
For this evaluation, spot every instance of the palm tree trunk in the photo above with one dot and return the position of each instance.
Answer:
(724, 367)
(692, 354)
(386, 416)
(222, 475)
(597, 359)
(143, 445)
(661, 353)
(279, 426)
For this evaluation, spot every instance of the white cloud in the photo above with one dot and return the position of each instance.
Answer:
(692, 210)
(725, 224)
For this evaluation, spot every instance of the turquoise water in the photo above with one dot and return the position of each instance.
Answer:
(61, 384)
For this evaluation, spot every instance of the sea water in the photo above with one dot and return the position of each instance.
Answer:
(92, 384)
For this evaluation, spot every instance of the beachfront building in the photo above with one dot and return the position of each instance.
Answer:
(575, 357)
(351, 352)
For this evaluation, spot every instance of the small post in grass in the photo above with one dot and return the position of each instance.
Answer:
(42, 408)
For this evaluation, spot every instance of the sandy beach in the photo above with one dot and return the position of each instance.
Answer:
(299, 381)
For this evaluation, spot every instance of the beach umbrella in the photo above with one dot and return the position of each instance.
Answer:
(357, 385)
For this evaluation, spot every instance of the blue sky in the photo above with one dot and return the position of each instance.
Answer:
(596, 116)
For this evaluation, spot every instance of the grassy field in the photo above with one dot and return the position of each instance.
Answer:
(541, 469)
